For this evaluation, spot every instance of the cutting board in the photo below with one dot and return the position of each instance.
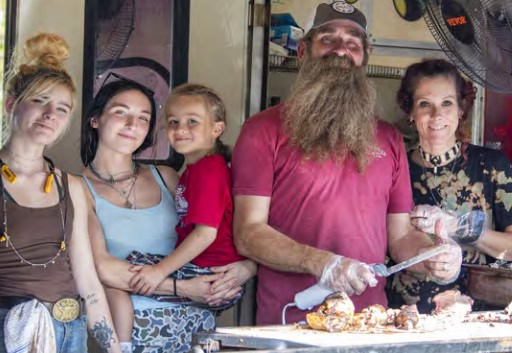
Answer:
(461, 332)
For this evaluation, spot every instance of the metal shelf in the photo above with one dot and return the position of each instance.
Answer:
(292, 64)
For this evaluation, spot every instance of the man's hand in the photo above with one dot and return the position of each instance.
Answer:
(343, 274)
(146, 279)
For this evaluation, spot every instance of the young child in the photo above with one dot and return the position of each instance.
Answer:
(196, 119)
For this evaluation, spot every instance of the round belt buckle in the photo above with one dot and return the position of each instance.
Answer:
(66, 310)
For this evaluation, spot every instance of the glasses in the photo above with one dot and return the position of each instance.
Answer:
(113, 77)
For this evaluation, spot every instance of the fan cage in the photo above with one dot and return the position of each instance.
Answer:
(113, 33)
(488, 60)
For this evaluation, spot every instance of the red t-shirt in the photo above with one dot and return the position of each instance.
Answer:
(203, 196)
(321, 204)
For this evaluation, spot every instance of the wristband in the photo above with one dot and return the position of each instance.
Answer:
(174, 285)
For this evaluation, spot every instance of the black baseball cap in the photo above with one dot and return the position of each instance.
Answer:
(338, 10)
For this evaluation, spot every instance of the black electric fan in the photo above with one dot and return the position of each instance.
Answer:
(113, 30)
(477, 37)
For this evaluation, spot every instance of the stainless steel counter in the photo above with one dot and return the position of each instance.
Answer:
(466, 337)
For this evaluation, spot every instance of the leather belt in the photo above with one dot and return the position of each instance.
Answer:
(63, 310)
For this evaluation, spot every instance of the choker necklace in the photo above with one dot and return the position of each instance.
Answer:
(5, 237)
(443, 204)
(11, 177)
(111, 180)
(444, 158)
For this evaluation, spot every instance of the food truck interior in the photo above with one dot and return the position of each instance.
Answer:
(246, 50)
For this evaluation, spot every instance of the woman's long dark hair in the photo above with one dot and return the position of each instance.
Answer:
(89, 135)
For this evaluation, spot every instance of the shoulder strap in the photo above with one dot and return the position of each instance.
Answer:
(89, 185)
(159, 179)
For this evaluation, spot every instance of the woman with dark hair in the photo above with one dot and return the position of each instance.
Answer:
(131, 208)
(89, 136)
(462, 188)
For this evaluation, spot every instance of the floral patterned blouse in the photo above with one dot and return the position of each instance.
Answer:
(480, 178)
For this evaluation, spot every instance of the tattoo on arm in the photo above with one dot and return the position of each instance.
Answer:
(103, 334)
(91, 299)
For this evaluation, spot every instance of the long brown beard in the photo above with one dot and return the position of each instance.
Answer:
(331, 112)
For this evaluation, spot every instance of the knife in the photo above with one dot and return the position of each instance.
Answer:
(383, 271)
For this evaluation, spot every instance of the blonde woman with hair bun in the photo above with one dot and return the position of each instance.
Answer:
(47, 273)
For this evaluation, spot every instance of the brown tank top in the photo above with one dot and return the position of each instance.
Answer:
(36, 233)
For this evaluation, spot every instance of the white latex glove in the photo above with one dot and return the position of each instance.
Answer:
(465, 228)
(343, 274)
(445, 267)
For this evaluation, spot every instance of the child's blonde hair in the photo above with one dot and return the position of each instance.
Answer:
(35, 68)
(213, 102)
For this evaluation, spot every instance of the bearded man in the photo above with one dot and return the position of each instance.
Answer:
(321, 186)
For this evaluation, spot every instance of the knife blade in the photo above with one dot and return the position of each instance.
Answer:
(383, 271)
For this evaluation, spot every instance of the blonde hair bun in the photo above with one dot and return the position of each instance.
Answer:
(44, 50)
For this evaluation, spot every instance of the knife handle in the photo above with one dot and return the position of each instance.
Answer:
(311, 296)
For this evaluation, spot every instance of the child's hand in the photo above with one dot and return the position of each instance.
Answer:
(146, 279)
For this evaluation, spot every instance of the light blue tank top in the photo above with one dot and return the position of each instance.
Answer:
(148, 230)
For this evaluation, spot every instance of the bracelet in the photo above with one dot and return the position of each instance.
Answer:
(174, 284)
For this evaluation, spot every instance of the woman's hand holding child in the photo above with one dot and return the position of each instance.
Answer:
(146, 279)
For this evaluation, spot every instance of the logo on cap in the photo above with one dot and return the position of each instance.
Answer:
(342, 7)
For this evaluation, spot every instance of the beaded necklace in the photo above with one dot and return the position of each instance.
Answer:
(5, 237)
(437, 160)
(443, 204)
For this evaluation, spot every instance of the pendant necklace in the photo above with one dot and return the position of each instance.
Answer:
(443, 204)
(5, 237)
(111, 181)
(126, 195)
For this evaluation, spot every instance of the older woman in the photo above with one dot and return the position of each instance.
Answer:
(46, 263)
(463, 188)
(132, 208)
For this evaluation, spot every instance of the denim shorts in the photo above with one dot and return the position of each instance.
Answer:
(71, 337)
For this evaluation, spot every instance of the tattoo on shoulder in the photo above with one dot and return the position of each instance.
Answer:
(102, 333)
(91, 299)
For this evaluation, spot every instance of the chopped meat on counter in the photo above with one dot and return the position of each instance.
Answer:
(452, 304)
(336, 314)
(337, 303)
(508, 309)
(408, 317)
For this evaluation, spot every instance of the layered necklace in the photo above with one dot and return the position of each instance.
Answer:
(5, 237)
(452, 154)
(111, 181)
